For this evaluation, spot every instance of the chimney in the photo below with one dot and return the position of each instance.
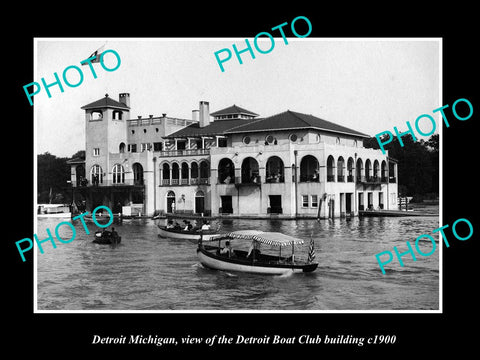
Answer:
(195, 115)
(204, 114)
(124, 98)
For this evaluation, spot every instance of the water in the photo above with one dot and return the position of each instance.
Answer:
(146, 272)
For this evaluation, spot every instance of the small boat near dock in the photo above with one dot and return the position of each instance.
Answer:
(53, 210)
(187, 231)
(253, 261)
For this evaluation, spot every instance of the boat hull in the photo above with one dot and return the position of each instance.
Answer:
(215, 262)
(184, 235)
(55, 215)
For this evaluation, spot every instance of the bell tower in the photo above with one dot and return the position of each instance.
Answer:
(105, 132)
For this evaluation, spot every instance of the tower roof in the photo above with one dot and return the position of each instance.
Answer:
(105, 102)
(234, 109)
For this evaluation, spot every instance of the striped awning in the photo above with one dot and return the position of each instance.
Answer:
(269, 238)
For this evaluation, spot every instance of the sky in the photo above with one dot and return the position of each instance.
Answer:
(369, 85)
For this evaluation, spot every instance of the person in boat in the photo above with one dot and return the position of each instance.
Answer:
(170, 224)
(177, 226)
(206, 225)
(114, 235)
(253, 250)
(227, 250)
(188, 226)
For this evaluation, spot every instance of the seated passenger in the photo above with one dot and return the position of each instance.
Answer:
(170, 224)
(206, 225)
(227, 250)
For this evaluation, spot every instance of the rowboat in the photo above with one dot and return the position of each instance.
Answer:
(254, 261)
(53, 210)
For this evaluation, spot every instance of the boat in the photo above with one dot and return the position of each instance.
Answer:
(105, 238)
(191, 235)
(53, 210)
(257, 263)
(177, 231)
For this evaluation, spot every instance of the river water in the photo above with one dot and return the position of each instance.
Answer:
(146, 272)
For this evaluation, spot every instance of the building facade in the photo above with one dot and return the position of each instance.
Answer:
(229, 163)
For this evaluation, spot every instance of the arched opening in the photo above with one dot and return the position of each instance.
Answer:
(165, 174)
(170, 202)
(137, 174)
(96, 175)
(184, 173)
(340, 169)
(204, 172)
(96, 115)
(368, 169)
(199, 202)
(376, 171)
(226, 171)
(330, 168)
(384, 173)
(118, 174)
(194, 173)
(121, 147)
(250, 173)
(175, 174)
(309, 169)
(350, 164)
(275, 170)
(359, 167)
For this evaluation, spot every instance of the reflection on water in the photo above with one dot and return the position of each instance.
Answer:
(146, 272)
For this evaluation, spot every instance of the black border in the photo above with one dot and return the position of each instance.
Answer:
(72, 333)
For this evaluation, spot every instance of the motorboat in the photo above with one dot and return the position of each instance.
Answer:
(187, 231)
(106, 237)
(254, 261)
(53, 210)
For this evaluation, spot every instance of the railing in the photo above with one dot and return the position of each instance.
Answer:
(350, 178)
(189, 152)
(309, 178)
(254, 180)
(225, 180)
(330, 177)
(341, 178)
(275, 179)
(192, 181)
(392, 179)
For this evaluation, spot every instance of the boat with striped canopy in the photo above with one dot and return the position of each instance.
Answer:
(227, 258)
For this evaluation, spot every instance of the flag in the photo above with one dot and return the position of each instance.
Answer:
(97, 54)
(311, 251)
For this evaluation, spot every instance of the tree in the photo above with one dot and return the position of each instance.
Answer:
(417, 163)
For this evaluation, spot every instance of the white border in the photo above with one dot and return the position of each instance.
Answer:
(439, 311)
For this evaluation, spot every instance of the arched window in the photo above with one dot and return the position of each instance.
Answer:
(175, 174)
(250, 173)
(194, 173)
(274, 170)
(118, 174)
(340, 169)
(384, 172)
(359, 167)
(165, 174)
(204, 172)
(368, 169)
(137, 174)
(330, 168)
(309, 169)
(350, 164)
(121, 147)
(376, 171)
(96, 175)
(226, 171)
(184, 173)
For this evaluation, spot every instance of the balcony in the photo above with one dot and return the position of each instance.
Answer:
(341, 178)
(244, 181)
(275, 179)
(330, 178)
(184, 182)
(189, 152)
(350, 178)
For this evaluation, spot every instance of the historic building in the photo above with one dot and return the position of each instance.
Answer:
(230, 162)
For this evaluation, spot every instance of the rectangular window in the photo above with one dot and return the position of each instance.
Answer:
(145, 146)
(132, 148)
(222, 142)
(96, 151)
(181, 145)
(304, 200)
(314, 199)
(157, 146)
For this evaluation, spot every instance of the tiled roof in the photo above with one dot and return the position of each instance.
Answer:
(105, 102)
(234, 109)
(292, 120)
(284, 121)
(215, 128)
